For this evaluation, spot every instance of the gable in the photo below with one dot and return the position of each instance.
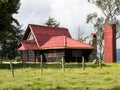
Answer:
(30, 37)
(43, 33)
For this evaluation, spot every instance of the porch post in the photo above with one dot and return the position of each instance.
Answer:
(37, 56)
(27, 56)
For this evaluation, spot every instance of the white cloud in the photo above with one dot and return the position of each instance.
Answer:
(72, 14)
(33, 11)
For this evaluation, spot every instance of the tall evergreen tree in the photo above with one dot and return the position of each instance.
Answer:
(52, 22)
(10, 32)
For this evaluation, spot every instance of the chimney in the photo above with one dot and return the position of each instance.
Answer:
(109, 43)
(93, 42)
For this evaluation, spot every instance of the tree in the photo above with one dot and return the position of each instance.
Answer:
(80, 35)
(111, 10)
(10, 32)
(52, 22)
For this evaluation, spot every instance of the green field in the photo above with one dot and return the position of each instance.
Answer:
(28, 77)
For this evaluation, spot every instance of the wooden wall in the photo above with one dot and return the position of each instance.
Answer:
(53, 55)
(27, 56)
(70, 55)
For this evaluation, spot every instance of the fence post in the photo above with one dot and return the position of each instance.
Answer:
(83, 62)
(100, 63)
(63, 64)
(11, 67)
(41, 64)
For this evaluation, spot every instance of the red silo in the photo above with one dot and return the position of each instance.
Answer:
(109, 43)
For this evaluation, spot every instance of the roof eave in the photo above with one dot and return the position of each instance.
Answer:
(48, 48)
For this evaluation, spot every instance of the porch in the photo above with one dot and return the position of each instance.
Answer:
(70, 55)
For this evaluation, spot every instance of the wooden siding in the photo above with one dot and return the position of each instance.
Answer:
(27, 56)
(70, 55)
(53, 55)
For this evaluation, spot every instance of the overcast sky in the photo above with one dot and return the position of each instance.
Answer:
(70, 13)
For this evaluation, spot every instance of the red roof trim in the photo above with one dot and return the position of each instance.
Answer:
(63, 48)
(34, 35)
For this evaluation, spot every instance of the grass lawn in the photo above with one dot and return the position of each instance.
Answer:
(28, 77)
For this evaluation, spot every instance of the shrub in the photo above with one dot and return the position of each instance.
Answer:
(17, 59)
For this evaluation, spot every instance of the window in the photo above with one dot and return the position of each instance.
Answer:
(30, 37)
(52, 53)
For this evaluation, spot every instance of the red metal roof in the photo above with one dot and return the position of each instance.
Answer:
(49, 38)
(51, 31)
(44, 33)
(28, 45)
(64, 42)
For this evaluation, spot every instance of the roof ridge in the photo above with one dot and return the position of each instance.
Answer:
(80, 41)
(46, 26)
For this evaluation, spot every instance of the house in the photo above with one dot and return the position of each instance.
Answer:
(52, 43)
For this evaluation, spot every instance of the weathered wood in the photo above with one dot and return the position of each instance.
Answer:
(41, 64)
(63, 64)
(12, 71)
(28, 55)
(83, 63)
(70, 55)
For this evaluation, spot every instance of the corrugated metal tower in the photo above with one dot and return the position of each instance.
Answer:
(109, 43)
